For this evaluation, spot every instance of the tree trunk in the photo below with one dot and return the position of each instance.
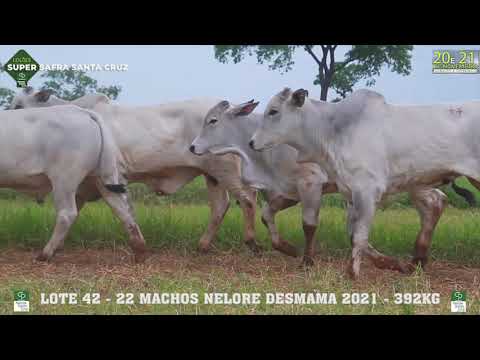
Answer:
(324, 91)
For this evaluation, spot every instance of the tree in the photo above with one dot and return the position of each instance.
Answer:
(361, 62)
(6, 95)
(66, 84)
(71, 84)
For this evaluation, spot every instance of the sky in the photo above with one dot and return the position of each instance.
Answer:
(162, 73)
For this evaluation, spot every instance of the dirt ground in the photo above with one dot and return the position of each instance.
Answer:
(280, 270)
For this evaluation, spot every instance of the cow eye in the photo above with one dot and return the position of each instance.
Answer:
(212, 121)
(272, 112)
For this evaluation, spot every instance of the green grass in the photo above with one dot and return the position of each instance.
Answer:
(28, 225)
(325, 281)
(176, 227)
(195, 193)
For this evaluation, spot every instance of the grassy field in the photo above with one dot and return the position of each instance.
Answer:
(27, 225)
(96, 259)
(108, 274)
(195, 193)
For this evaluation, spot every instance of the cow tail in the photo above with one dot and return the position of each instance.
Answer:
(107, 165)
(466, 194)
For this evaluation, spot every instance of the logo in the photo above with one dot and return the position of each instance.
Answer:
(21, 67)
(458, 301)
(21, 301)
(456, 62)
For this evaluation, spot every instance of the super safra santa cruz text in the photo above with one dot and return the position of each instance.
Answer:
(64, 67)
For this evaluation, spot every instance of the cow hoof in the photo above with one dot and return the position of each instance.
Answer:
(254, 247)
(390, 263)
(203, 249)
(403, 268)
(420, 260)
(307, 262)
(140, 257)
(352, 276)
(285, 248)
(42, 257)
(412, 266)
(351, 273)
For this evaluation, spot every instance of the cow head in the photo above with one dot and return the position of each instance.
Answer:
(29, 98)
(280, 120)
(219, 131)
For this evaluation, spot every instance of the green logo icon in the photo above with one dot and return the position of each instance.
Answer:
(21, 67)
(21, 295)
(459, 296)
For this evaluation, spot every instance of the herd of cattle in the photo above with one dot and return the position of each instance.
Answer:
(299, 149)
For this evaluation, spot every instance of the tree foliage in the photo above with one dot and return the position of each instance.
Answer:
(361, 62)
(278, 57)
(364, 62)
(72, 84)
(6, 95)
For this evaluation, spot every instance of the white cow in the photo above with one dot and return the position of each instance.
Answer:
(228, 129)
(153, 146)
(58, 150)
(372, 149)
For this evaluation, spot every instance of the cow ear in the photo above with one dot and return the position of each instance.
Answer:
(43, 95)
(284, 94)
(223, 105)
(246, 108)
(298, 97)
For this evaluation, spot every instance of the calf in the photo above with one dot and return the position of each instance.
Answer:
(372, 149)
(228, 130)
(58, 150)
(153, 146)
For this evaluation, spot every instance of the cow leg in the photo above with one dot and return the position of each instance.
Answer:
(268, 219)
(80, 202)
(361, 216)
(430, 204)
(247, 199)
(83, 196)
(311, 196)
(219, 203)
(122, 209)
(249, 207)
(226, 170)
(66, 208)
(350, 219)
